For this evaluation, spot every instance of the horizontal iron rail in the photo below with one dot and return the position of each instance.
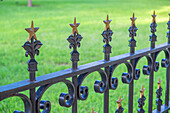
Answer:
(164, 109)
(10, 89)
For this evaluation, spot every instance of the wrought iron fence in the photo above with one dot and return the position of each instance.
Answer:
(76, 91)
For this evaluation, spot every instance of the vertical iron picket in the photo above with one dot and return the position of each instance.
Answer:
(132, 43)
(107, 33)
(32, 49)
(167, 70)
(152, 39)
(74, 40)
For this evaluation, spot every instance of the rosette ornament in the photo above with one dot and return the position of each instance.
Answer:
(74, 40)
(107, 33)
(32, 48)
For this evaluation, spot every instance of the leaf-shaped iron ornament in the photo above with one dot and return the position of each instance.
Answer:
(153, 37)
(32, 48)
(74, 40)
(107, 33)
(132, 33)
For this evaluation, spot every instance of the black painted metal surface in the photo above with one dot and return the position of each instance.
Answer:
(76, 91)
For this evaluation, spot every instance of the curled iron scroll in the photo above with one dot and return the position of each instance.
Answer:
(26, 100)
(126, 77)
(99, 86)
(146, 68)
(165, 61)
(65, 99)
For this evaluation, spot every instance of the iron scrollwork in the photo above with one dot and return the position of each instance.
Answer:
(99, 86)
(126, 77)
(65, 99)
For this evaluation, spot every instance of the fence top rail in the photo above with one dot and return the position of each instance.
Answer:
(58, 76)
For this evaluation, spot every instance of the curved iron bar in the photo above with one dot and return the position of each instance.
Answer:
(165, 61)
(65, 99)
(126, 77)
(99, 86)
(146, 68)
(26, 100)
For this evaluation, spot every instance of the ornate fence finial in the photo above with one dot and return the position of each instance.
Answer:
(153, 37)
(141, 101)
(159, 94)
(107, 33)
(132, 33)
(168, 33)
(93, 111)
(119, 106)
(74, 40)
(32, 49)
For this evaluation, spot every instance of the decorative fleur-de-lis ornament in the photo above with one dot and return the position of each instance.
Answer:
(153, 37)
(141, 101)
(32, 48)
(132, 33)
(93, 111)
(119, 106)
(159, 94)
(74, 40)
(107, 33)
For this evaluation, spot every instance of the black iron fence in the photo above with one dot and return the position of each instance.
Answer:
(76, 91)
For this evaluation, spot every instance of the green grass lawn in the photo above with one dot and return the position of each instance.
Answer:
(53, 18)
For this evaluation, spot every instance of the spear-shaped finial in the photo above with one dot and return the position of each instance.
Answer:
(107, 22)
(142, 92)
(154, 17)
(133, 18)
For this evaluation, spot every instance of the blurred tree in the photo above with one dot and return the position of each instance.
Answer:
(29, 3)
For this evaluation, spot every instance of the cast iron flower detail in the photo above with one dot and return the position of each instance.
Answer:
(75, 38)
(153, 26)
(33, 46)
(132, 29)
(107, 33)
(141, 101)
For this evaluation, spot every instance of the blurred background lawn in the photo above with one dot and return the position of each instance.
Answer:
(53, 18)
